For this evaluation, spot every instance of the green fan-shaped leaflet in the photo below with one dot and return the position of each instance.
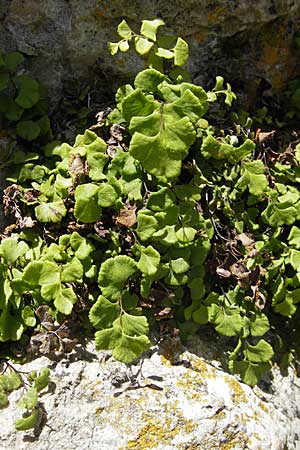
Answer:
(114, 274)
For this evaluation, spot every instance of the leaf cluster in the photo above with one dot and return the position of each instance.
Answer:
(32, 384)
(162, 217)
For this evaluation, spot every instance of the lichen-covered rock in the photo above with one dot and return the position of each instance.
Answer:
(240, 40)
(172, 400)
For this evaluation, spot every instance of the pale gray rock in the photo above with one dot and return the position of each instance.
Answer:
(171, 400)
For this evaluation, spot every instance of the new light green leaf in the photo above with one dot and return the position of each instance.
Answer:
(149, 260)
(123, 30)
(50, 212)
(29, 92)
(149, 28)
(114, 274)
(181, 52)
(103, 313)
(142, 45)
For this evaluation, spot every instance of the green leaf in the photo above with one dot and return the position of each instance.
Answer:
(186, 234)
(64, 300)
(113, 48)
(82, 247)
(87, 208)
(147, 225)
(179, 265)
(148, 80)
(149, 260)
(261, 352)
(28, 130)
(253, 177)
(103, 313)
(38, 273)
(294, 237)
(28, 422)
(50, 212)
(11, 250)
(258, 325)
(29, 399)
(161, 155)
(114, 274)
(181, 52)
(219, 83)
(13, 60)
(278, 214)
(124, 31)
(149, 28)
(137, 104)
(3, 400)
(200, 316)
(164, 53)
(250, 373)
(11, 327)
(107, 195)
(28, 316)
(227, 320)
(161, 200)
(4, 80)
(126, 338)
(29, 92)
(42, 380)
(11, 110)
(72, 271)
(142, 45)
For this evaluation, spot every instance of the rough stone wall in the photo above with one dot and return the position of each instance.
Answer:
(66, 39)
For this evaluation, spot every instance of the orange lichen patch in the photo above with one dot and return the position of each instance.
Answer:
(276, 56)
(201, 36)
(214, 15)
(160, 431)
(99, 13)
(237, 392)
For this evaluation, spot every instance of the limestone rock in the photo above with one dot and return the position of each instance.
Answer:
(171, 400)
(241, 40)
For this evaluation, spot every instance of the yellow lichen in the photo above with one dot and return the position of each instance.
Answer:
(237, 392)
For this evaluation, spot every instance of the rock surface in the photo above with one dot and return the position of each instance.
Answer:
(172, 400)
(241, 40)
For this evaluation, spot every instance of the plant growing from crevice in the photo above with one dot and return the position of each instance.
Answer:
(162, 217)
